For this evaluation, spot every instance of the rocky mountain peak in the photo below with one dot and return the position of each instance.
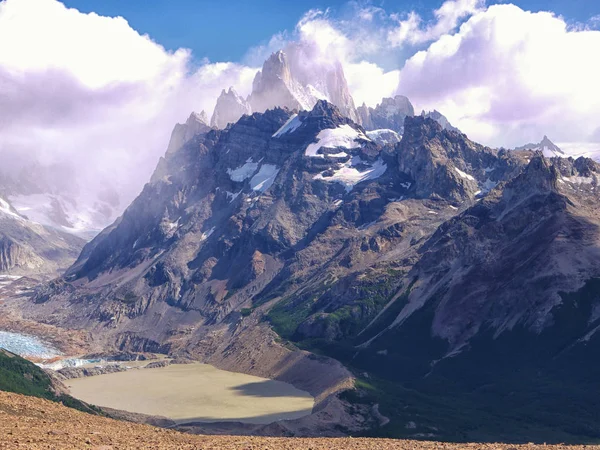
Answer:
(541, 174)
(183, 133)
(539, 177)
(285, 82)
(440, 118)
(389, 114)
(399, 104)
(546, 146)
(229, 108)
(200, 117)
(446, 164)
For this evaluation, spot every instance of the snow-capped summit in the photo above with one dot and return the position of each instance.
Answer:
(230, 107)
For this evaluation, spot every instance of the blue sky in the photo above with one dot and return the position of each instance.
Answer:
(200, 25)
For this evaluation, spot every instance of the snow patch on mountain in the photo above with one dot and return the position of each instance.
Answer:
(69, 215)
(292, 124)
(464, 175)
(488, 185)
(231, 196)
(343, 136)
(243, 172)
(207, 234)
(585, 149)
(384, 136)
(6, 209)
(579, 180)
(264, 178)
(349, 175)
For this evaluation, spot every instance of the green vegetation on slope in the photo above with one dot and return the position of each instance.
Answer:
(23, 377)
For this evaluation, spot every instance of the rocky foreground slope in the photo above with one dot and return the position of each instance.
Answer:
(456, 284)
(31, 423)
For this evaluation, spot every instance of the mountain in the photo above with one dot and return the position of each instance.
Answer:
(389, 114)
(230, 107)
(546, 146)
(457, 283)
(285, 82)
(29, 248)
(439, 118)
(183, 132)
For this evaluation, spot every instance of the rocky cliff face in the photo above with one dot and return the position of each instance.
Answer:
(284, 82)
(410, 261)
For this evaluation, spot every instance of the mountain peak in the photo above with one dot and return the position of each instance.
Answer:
(539, 176)
(389, 114)
(229, 108)
(284, 81)
(201, 118)
(546, 146)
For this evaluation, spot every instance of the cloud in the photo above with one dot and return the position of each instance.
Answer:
(89, 92)
(411, 30)
(510, 76)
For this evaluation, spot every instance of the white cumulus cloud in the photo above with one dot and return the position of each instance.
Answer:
(510, 76)
(91, 94)
(411, 30)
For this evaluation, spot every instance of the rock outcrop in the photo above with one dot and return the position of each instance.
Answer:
(439, 118)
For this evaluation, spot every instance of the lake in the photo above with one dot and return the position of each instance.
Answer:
(195, 393)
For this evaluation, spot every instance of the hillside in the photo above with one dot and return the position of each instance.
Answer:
(23, 377)
(32, 423)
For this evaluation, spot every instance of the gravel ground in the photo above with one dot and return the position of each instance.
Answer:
(31, 423)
